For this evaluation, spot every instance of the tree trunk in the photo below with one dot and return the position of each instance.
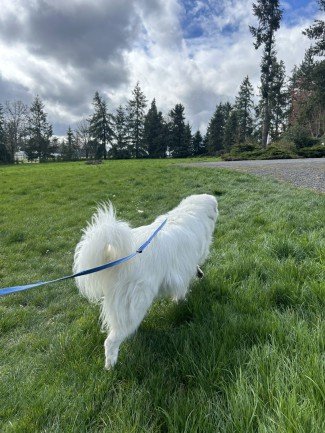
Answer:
(266, 123)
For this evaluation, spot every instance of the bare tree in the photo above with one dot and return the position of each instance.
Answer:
(16, 119)
(83, 137)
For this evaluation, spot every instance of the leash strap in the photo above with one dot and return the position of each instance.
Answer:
(13, 289)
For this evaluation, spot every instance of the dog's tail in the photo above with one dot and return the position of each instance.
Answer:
(105, 239)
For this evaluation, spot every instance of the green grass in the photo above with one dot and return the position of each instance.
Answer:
(245, 351)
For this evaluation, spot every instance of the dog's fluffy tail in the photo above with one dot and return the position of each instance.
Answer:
(105, 239)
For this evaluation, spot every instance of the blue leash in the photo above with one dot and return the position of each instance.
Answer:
(8, 290)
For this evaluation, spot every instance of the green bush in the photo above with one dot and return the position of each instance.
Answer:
(300, 136)
(279, 150)
(312, 152)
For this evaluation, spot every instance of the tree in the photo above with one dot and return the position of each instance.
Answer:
(101, 126)
(69, 151)
(307, 96)
(155, 134)
(279, 100)
(136, 113)
(215, 130)
(16, 118)
(230, 136)
(178, 137)
(188, 139)
(317, 32)
(198, 144)
(84, 138)
(269, 15)
(4, 154)
(38, 131)
(244, 108)
(120, 145)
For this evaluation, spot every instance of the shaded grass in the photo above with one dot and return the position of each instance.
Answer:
(244, 352)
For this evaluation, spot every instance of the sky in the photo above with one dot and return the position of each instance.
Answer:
(194, 52)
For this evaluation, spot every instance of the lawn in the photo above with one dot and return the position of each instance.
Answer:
(244, 352)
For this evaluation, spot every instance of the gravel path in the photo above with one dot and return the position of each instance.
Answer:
(307, 173)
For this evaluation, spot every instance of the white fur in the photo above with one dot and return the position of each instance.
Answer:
(165, 267)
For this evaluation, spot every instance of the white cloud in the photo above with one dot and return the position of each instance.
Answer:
(70, 49)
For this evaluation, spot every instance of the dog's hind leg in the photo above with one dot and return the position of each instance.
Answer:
(125, 320)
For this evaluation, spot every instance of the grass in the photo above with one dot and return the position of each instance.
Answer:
(244, 352)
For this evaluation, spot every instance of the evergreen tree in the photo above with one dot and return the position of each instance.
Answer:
(136, 113)
(198, 144)
(39, 132)
(244, 108)
(4, 154)
(307, 96)
(279, 100)
(269, 15)
(230, 136)
(317, 32)
(101, 126)
(155, 133)
(188, 139)
(215, 130)
(178, 137)
(69, 147)
(120, 145)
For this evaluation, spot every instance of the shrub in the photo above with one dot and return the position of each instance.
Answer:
(300, 136)
(312, 152)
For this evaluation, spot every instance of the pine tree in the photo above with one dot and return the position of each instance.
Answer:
(155, 136)
(136, 113)
(317, 32)
(198, 144)
(39, 132)
(269, 15)
(120, 145)
(230, 137)
(307, 96)
(178, 137)
(279, 100)
(215, 130)
(244, 107)
(69, 147)
(101, 126)
(4, 154)
(188, 139)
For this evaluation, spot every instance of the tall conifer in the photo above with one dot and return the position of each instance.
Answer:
(178, 136)
(136, 113)
(244, 108)
(120, 145)
(101, 126)
(155, 133)
(39, 132)
(269, 16)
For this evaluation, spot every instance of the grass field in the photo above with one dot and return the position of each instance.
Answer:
(245, 351)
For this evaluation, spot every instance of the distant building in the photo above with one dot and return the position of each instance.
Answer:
(20, 156)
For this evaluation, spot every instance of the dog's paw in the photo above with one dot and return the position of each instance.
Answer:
(110, 361)
(199, 272)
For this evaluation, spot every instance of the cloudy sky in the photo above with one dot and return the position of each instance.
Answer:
(191, 51)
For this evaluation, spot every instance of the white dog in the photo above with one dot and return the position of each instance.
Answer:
(165, 267)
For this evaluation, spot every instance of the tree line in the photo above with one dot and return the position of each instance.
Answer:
(292, 107)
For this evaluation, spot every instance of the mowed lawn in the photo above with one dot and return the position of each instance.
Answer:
(244, 352)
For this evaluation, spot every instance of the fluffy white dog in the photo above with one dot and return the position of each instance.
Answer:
(165, 267)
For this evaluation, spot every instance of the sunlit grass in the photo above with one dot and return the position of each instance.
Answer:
(242, 354)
